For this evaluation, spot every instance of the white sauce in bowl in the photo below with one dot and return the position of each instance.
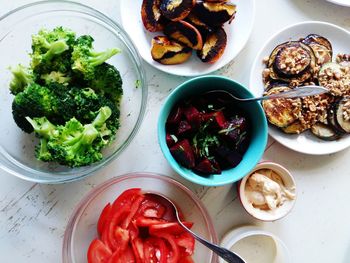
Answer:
(256, 249)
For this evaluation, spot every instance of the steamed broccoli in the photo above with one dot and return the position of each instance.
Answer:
(73, 144)
(22, 77)
(34, 101)
(85, 59)
(52, 50)
(108, 81)
(56, 77)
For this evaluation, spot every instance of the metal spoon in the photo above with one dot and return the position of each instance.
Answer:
(297, 92)
(224, 253)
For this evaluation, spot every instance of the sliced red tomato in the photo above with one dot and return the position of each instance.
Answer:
(186, 241)
(103, 218)
(125, 256)
(134, 208)
(174, 252)
(137, 247)
(146, 222)
(155, 250)
(187, 259)
(173, 228)
(151, 208)
(120, 210)
(98, 252)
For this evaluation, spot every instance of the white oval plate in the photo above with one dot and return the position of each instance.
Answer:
(340, 39)
(340, 2)
(237, 32)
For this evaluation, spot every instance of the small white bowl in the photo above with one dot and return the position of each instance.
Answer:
(279, 212)
(256, 245)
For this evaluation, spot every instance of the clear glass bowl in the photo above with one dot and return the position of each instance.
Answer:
(81, 228)
(16, 147)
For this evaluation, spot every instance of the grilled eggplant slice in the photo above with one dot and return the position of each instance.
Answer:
(331, 117)
(342, 116)
(324, 131)
(314, 38)
(214, 46)
(152, 18)
(168, 52)
(321, 46)
(295, 128)
(184, 33)
(215, 14)
(281, 112)
(176, 10)
(292, 61)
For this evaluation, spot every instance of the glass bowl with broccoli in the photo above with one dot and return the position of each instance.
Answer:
(73, 91)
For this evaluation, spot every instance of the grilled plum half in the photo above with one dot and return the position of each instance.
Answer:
(292, 61)
(152, 18)
(215, 14)
(321, 47)
(176, 10)
(214, 46)
(184, 33)
(168, 52)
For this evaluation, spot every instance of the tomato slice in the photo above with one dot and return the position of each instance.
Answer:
(186, 241)
(137, 246)
(98, 252)
(120, 210)
(103, 218)
(187, 259)
(173, 228)
(155, 250)
(151, 208)
(174, 253)
(146, 222)
(125, 256)
(133, 210)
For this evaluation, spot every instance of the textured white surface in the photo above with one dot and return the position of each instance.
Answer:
(33, 217)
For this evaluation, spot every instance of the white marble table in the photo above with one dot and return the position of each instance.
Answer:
(33, 216)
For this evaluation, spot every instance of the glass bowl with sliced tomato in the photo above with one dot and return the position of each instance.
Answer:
(118, 222)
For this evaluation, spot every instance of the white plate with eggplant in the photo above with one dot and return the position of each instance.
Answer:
(306, 53)
(188, 37)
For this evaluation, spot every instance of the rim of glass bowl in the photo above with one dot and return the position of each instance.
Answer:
(94, 193)
(12, 166)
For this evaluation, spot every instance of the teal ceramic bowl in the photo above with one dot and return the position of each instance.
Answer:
(254, 111)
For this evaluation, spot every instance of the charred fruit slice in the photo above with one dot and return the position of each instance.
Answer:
(152, 18)
(214, 46)
(168, 52)
(295, 128)
(281, 112)
(215, 13)
(184, 33)
(183, 153)
(176, 10)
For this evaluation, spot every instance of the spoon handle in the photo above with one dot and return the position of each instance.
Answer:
(298, 92)
(224, 253)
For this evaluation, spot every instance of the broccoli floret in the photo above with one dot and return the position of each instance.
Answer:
(85, 59)
(56, 77)
(73, 144)
(22, 77)
(34, 101)
(108, 82)
(52, 50)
